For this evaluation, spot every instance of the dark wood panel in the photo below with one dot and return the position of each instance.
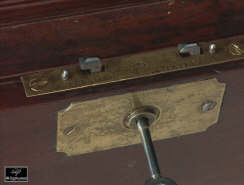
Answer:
(28, 137)
(37, 46)
(14, 12)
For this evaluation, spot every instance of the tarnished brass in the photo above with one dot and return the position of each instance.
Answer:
(151, 113)
(99, 124)
(132, 67)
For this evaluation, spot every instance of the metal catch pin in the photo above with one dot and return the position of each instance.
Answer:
(141, 119)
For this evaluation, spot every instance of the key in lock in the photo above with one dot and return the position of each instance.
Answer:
(141, 119)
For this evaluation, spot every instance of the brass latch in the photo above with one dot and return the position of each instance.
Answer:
(93, 72)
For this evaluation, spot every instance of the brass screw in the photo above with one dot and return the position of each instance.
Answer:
(212, 48)
(208, 105)
(70, 130)
(65, 75)
(36, 85)
(235, 49)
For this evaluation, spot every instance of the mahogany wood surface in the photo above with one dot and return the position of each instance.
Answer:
(31, 44)
(28, 137)
(14, 12)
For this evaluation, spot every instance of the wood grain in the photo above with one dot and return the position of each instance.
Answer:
(14, 12)
(113, 32)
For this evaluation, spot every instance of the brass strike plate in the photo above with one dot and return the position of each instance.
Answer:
(98, 124)
(132, 67)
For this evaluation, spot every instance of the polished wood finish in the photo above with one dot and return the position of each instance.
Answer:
(38, 45)
(14, 12)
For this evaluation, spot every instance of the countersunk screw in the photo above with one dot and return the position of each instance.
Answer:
(37, 85)
(70, 130)
(208, 105)
(212, 48)
(235, 49)
(65, 75)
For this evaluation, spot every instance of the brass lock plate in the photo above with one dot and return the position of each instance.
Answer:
(132, 67)
(97, 125)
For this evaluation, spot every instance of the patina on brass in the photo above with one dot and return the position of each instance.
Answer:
(151, 113)
(99, 124)
(132, 67)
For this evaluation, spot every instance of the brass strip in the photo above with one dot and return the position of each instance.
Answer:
(132, 67)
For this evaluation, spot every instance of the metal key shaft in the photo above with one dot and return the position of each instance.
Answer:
(141, 119)
(143, 128)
